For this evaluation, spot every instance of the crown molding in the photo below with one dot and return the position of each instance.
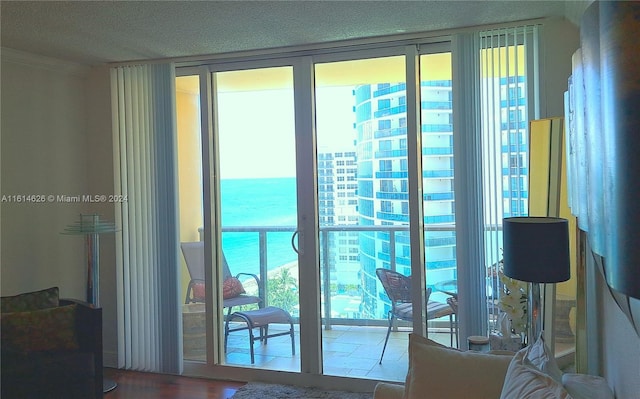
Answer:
(573, 10)
(40, 61)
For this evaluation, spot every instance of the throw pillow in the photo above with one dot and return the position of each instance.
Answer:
(583, 386)
(231, 288)
(198, 292)
(43, 299)
(539, 355)
(523, 381)
(442, 372)
(50, 329)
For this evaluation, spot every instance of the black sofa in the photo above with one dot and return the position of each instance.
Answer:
(55, 373)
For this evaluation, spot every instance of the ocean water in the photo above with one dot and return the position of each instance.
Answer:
(258, 202)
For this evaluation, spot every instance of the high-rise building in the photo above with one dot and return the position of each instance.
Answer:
(383, 198)
(338, 205)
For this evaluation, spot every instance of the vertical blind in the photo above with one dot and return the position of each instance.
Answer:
(472, 316)
(508, 81)
(143, 110)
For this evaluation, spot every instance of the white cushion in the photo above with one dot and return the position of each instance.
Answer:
(524, 381)
(583, 386)
(384, 390)
(539, 356)
(439, 372)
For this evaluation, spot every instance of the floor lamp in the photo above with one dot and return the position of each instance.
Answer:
(91, 226)
(536, 250)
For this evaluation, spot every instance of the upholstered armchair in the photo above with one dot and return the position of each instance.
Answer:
(51, 347)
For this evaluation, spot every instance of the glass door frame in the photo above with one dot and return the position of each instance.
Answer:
(305, 144)
(414, 158)
(211, 193)
(308, 237)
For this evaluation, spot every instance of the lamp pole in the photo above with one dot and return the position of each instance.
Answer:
(91, 226)
(93, 268)
(534, 315)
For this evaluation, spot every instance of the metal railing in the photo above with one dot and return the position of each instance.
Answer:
(325, 231)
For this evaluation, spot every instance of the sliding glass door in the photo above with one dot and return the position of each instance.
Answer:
(314, 245)
(363, 207)
(319, 170)
(254, 122)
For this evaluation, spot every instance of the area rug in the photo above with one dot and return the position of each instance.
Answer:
(255, 390)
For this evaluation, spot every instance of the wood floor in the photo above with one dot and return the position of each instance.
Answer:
(137, 385)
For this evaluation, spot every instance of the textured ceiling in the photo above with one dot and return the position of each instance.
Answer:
(96, 32)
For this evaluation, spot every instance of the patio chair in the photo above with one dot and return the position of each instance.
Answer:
(398, 288)
(453, 302)
(260, 319)
(193, 253)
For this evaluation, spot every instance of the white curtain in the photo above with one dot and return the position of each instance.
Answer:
(149, 324)
(509, 99)
(472, 316)
(495, 94)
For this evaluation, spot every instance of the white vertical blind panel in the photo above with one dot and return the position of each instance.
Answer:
(491, 148)
(121, 209)
(168, 279)
(503, 113)
(468, 186)
(533, 72)
(144, 135)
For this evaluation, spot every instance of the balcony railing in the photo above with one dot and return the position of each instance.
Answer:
(389, 233)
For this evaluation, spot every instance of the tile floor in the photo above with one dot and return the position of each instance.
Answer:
(347, 351)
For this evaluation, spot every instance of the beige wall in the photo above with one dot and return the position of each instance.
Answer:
(101, 181)
(55, 140)
(559, 40)
(44, 141)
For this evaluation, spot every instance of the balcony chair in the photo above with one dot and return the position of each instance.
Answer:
(398, 288)
(193, 253)
(260, 318)
(453, 302)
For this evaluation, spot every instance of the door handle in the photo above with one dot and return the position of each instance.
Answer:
(293, 242)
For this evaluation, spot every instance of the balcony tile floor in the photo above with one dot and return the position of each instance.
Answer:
(347, 351)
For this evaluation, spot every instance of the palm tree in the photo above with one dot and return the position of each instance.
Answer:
(283, 290)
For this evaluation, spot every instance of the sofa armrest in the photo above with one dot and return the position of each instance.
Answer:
(388, 391)
(88, 324)
(89, 333)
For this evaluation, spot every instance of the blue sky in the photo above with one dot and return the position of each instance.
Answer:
(257, 137)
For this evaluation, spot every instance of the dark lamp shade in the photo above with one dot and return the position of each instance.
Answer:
(536, 249)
